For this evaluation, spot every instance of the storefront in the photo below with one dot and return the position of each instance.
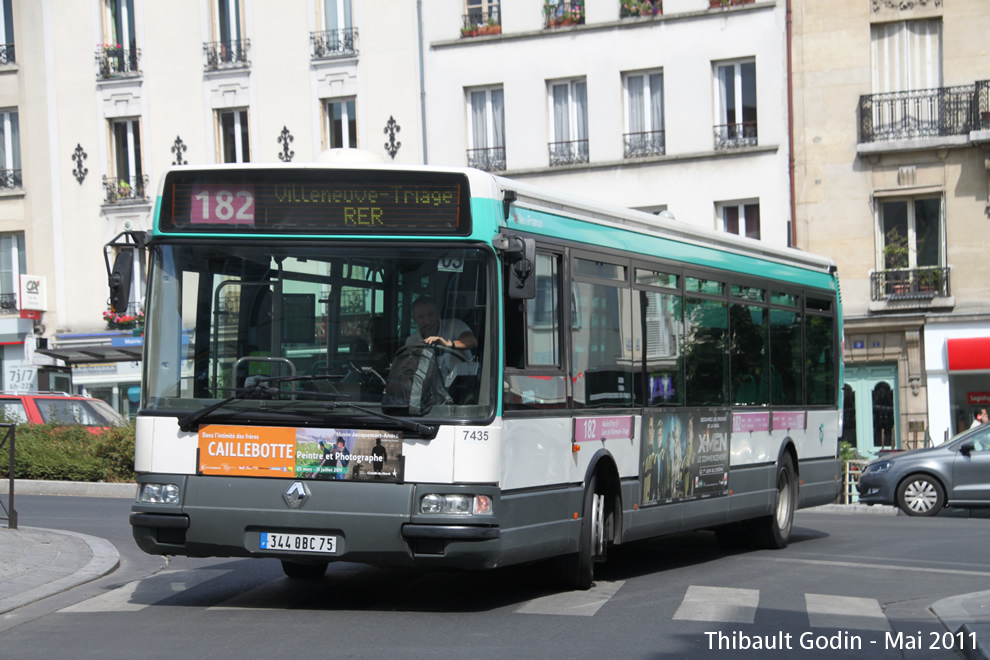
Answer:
(957, 355)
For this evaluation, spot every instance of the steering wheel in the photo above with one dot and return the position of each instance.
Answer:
(456, 352)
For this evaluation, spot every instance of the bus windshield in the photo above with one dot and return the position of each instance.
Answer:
(295, 333)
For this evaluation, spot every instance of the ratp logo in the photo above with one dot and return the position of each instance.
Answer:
(821, 434)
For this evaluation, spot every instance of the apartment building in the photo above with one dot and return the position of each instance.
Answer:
(672, 105)
(892, 127)
(99, 97)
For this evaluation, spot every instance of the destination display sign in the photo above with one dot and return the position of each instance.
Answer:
(315, 202)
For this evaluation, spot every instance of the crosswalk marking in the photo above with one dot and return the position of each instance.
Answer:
(718, 604)
(573, 603)
(139, 594)
(845, 612)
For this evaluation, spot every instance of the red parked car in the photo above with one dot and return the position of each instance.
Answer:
(57, 408)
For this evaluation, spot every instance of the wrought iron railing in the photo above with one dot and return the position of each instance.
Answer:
(568, 153)
(918, 113)
(334, 43)
(10, 179)
(125, 189)
(7, 54)
(113, 62)
(227, 54)
(910, 283)
(735, 136)
(479, 24)
(638, 145)
(490, 159)
(563, 13)
(981, 105)
(8, 303)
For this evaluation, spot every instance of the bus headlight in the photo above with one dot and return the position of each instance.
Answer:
(159, 494)
(456, 505)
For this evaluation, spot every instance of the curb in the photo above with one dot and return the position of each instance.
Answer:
(956, 618)
(104, 560)
(77, 488)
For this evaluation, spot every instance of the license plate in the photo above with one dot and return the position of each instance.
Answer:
(299, 543)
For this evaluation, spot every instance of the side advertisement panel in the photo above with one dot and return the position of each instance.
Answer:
(685, 455)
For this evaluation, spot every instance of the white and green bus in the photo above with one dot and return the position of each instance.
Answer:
(595, 375)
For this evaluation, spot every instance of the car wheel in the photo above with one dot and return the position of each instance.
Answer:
(920, 495)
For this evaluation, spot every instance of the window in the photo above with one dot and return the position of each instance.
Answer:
(735, 91)
(337, 35)
(11, 266)
(230, 47)
(342, 124)
(748, 357)
(785, 350)
(644, 115)
(337, 15)
(234, 144)
(126, 180)
(819, 348)
(487, 137)
(569, 122)
(705, 352)
(907, 55)
(119, 54)
(481, 17)
(7, 32)
(602, 346)
(10, 150)
(911, 233)
(741, 219)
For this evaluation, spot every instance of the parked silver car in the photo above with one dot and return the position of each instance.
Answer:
(921, 482)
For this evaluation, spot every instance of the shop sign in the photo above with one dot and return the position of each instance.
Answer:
(978, 398)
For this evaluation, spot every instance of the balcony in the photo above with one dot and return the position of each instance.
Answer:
(481, 24)
(231, 54)
(568, 153)
(333, 43)
(8, 303)
(117, 62)
(563, 13)
(10, 179)
(907, 284)
(632, 8)
(491, 159)
(7, 54)
(640, 145)
(735, 136)
(924, 113)
(125, 190)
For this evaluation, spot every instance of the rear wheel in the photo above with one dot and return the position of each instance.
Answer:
(920, 495)
(774, 531)
(299, 571)
(577, 571)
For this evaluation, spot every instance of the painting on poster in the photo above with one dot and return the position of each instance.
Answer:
(684, 455)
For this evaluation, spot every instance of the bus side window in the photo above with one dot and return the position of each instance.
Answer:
(533, 343)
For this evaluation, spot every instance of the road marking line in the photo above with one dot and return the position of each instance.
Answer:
(573, 603)
(718, 604)
(845, 612)
(887, 567)
(139, 594)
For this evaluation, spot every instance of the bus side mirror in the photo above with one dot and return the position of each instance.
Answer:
(120, 280)
(521, 257)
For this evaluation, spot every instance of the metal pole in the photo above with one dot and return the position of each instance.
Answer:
(11, 512)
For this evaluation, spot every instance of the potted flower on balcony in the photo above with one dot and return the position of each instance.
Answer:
(469, 31)
(895, 258)
(490, 27)
(116, 321)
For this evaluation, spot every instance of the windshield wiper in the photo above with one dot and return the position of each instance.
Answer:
(260, 391)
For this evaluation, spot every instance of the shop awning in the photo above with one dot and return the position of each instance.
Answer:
(87, 354)
(969, 354)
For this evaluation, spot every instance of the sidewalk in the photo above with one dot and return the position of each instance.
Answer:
(36, 563)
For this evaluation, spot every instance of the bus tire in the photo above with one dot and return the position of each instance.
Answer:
(577, 571)
(774, 531)
(299, 571)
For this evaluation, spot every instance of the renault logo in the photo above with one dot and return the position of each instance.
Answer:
(296, 494)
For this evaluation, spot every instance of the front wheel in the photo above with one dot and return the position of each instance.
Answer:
(577, 571)
(920, 495)
(774, 531)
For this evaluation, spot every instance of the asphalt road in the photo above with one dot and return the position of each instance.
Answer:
(861, 582)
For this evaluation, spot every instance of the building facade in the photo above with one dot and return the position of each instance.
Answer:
(891, 124)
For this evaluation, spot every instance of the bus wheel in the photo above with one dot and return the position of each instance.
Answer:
(774, 531)
(298, 571)
(577, 571)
